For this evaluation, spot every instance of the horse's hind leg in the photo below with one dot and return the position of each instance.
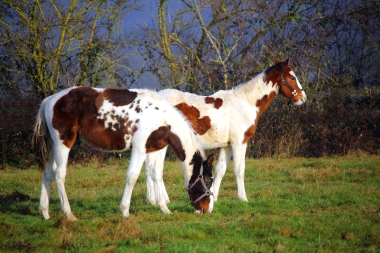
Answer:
(149, 182)
(161, 164)
(239, 169)
(155, 162)
(161, 196)
(47, 178)
(61, 155)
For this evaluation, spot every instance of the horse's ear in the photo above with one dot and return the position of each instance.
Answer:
(277, 60)
(287, 62)
(209, 160)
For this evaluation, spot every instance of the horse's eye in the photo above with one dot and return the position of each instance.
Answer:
(209, 180)
(292, 78)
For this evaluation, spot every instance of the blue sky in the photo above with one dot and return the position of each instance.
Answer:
(132, 21)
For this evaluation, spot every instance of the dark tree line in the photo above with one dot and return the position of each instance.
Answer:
(212, 45)
(203, 46)
(198, 45)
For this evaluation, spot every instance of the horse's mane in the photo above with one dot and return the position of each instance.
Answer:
(245, 91)
(197, 162)
(250, 86)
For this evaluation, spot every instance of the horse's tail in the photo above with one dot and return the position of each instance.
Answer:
(41, 140)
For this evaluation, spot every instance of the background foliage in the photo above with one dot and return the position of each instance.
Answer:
(200, 46)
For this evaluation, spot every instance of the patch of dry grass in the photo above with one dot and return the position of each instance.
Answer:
(299, 204)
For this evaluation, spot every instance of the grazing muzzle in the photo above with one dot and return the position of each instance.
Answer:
(204, 185)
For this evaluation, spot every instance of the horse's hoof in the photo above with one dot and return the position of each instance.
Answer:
(125, 213)
(45, 212)
(71, 217)
(166, 211)
(152, 202)
(243, 199)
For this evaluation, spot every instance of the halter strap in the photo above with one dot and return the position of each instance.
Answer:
(207, 190)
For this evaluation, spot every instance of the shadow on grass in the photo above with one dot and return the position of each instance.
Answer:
(18, 203)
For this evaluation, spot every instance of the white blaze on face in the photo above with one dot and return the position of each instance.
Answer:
(304, 97)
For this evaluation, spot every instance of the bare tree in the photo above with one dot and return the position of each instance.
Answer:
(204, 45)
(49, 44)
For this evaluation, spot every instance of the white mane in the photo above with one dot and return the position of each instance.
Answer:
(252, 90)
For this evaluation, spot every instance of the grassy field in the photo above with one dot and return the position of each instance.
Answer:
(296, 205)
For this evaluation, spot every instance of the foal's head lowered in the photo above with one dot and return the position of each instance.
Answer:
(200, 184)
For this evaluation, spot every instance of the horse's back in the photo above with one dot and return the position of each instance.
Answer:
(209, 115)
(113, 119)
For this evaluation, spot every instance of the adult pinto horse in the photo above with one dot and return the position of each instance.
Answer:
(110, 120)
(228, 119)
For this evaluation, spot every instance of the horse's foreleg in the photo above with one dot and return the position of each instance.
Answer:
(223, 160)
(149, 182)
(61, 156)
(47, 178)
(239, 169)
(133, 172)
(161, 195)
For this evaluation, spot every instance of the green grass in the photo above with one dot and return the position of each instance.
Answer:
(296, 205)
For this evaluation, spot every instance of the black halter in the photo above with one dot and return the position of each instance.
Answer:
(207, 190)
(284, 82)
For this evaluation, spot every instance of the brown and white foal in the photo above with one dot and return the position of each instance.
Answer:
(110, 120)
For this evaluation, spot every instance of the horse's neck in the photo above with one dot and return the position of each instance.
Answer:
(182, 128)
(189, 143)
(256, 91)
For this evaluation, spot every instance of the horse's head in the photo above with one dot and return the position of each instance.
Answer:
(282, 75)
(200, 184)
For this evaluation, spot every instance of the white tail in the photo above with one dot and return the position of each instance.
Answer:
(41, 140)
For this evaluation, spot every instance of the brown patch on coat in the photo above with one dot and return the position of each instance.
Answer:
(120, 97)
(262, 104)
(162, 137)
(218, 102)
(130, 127)
(77, 112)
(67, 110)
(201, 126)
(250, 131)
